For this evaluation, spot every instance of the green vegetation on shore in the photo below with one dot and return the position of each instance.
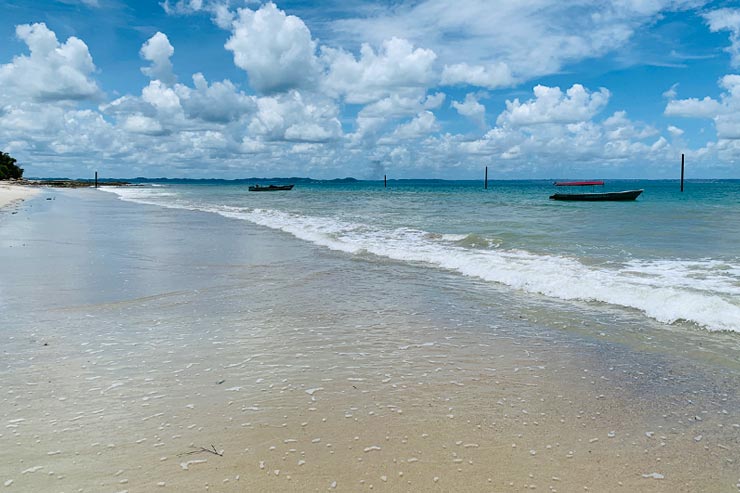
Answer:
(8, 169)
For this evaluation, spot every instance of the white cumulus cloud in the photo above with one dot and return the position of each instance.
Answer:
(508, 39)
(396, 67)
(725, 112)
(551, 105)
(693, 107)
(471, 108)
(53, 71)
(376, 118)
(141, 124)
(162, 98)
(562, 131)
(422, 125)
(727, 20)
(182, 6)
(276, 50)
(219, 102)
(620, 127)
(290, 117)
(491, 76)
(158, 50)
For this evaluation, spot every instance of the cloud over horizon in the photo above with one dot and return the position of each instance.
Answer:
(397, 95)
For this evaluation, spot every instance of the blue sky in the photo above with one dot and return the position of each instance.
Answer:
(423, 88)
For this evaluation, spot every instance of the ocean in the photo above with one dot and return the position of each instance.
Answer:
(671, 256)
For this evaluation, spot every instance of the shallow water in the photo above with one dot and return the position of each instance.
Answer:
(671, 255)
(134, 336)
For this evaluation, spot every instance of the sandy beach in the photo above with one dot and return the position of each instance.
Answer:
(10, 193)
(180, 350)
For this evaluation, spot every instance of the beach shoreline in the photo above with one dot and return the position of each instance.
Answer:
(182, 349)
(11, 193)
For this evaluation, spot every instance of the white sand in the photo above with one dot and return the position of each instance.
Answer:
(10, 193)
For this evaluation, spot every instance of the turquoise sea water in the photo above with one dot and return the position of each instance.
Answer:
(674, 257)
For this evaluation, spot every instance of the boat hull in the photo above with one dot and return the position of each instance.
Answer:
(270, 188)
(598, 197)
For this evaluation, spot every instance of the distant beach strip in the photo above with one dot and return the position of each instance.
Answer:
(10, 193)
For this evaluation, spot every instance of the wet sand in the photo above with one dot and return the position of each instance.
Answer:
(139, 341)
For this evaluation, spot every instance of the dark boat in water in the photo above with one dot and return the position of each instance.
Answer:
(593, 196)
(269, 188)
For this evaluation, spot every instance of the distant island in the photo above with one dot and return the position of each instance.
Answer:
(67, 183)
(297, 179)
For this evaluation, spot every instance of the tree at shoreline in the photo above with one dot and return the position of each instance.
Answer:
(8, 169)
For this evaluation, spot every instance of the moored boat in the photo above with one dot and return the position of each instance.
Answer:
(623, 195)
(269, 188)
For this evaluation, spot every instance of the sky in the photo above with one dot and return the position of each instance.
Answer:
(533, 89)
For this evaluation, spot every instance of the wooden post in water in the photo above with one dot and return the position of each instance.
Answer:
(385, 181)
(96, 179)
(682, 172)
(485, 182)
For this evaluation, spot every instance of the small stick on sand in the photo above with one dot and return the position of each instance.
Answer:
(211, 450)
